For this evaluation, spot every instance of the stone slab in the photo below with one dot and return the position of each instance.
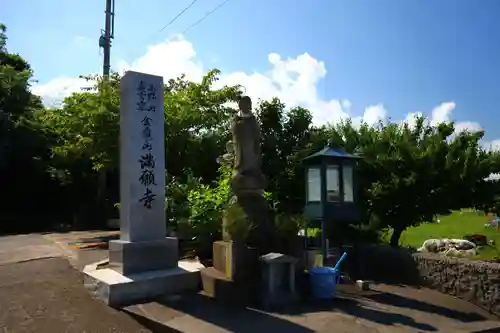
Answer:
(118, 290)
(136, 257)
(142, 158)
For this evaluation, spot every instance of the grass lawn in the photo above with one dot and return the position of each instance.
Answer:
(456, 225)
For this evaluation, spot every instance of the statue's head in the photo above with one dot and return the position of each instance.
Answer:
(245, 104)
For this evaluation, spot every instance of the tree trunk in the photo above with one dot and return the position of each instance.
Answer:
(396, 234)
(101, 217)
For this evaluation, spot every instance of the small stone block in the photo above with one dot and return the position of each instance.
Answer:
(363, 285)
(221, 255)
(234, 260)
(278, 258)
(136, 257)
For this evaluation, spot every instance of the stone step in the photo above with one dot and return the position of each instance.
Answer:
(216, 285)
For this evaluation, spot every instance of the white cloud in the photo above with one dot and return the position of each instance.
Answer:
(374, 113)
(411, 118)
(493, 145)
(58, 88)
(442, 112)
(470, 126)
(170, 60)
(293, 80)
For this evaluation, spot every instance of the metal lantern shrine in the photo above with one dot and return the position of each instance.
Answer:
(330, 189)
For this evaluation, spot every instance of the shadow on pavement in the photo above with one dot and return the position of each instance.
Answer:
(491, 330)
(404, 302)
(150, 324)
(233, 319)
(385, 318)
(355, 308)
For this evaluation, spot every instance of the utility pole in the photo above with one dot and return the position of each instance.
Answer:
(105, 42)
(107, 35)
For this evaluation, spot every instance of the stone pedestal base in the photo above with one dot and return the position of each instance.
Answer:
(258, 211)
(118, 290)
(216, 285)
(235, 276)
(137, 257)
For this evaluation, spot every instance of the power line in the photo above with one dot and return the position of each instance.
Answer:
(178, 15)
(172, 20)
(195, 23)
(205, 16)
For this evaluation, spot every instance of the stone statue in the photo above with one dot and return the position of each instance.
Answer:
(248, 181)
(247, 174)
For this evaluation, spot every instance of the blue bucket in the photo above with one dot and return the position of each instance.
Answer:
(324, 282)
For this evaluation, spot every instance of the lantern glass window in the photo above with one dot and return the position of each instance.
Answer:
(332, 183)
(313, 184)
(348, 183)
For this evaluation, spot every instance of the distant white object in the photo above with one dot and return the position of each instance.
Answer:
(462, 244)
(362, 284)
(445, 245)
(453, 252)
(430, 245)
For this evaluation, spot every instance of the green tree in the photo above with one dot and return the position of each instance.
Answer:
(22, 147)
(286, 136)
(85, 131)
(409, 174)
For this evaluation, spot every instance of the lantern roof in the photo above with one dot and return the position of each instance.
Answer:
(330, 152)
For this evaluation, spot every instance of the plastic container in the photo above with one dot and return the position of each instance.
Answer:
(324, 282)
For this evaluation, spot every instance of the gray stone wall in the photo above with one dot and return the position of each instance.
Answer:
(475, 281)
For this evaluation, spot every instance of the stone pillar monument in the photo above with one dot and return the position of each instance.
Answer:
(142, 245)
(144, 262)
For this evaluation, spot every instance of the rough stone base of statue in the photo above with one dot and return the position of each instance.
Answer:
(141, 271)
(235, 275)
(256, 207)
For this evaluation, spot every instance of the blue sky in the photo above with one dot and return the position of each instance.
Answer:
(410, 55)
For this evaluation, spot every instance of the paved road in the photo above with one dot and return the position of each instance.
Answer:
(27, 247)
(387, 309)
(47, 295)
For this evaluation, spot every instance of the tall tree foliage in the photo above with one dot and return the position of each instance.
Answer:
(85, 131)
(285, 138)
(410, 174)
(22, 148)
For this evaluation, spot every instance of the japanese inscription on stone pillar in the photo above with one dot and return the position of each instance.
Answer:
(142, 157)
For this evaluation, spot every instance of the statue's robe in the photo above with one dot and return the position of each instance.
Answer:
(246, 141)
(248, 181)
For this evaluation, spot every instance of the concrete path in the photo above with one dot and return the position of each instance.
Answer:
(48, 295)
(387, 309)
(27, 247)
